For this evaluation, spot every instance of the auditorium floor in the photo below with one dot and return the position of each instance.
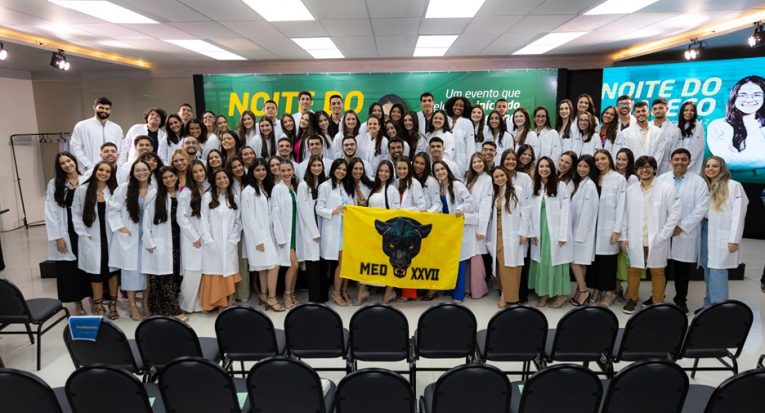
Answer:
(25, 249)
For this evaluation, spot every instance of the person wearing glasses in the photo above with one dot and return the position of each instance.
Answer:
(624, 112)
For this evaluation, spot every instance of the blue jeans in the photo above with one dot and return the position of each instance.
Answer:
(459, 290)
(716, 279)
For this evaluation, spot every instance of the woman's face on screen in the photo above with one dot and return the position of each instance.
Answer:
(749, 98)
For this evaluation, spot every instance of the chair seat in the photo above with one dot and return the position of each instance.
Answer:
(704, 353)
(697, 398)
(281, 343)
(40, 309)
(322, 353)
(566, 356)
(209, 348)
(634, 355)
(480, 339)
(60, 393)
(136, 354)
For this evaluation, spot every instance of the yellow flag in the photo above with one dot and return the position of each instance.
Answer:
(401, 248)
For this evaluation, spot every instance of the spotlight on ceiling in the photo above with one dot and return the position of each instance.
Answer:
(58, 60)
(3, 52)
(758, 37)
(694, 49)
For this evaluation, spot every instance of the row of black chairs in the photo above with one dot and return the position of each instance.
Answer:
(282, 384)
(380, 333)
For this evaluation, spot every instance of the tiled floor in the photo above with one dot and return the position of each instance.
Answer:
(25, 249)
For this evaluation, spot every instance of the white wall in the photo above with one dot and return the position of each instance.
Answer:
(17, 115)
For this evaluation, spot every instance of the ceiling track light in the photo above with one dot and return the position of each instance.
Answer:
(758, 37)
(3, 52)
(58, 60)
(694, 49)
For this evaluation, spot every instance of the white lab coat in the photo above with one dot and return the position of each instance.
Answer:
(463, 201)
(259, 227)
(462, 132)
(87, 137)
(727, 226)
(221, 231)
(127, 151)
(694, 198)
(449, 147)
(331, 227)
(166, 149)
(548, 144)
(663, 216)
(89, 242)
(160, 237)
(632, 138)
(581, 147)
(212, 143)
(57, 225)
(366, 150)
(695, 145)
(124, 252)
(584, 214)
(482, 193)
(422, 122)
(558, 224)
(308, 247)
(531, 140)
(281, 212)
(670, 133)
(303, 167)
(413, 198)
(390, 193)
(337, 145)
(506, 142)
(514, 225)
(191, 226)
(611, 212)
(432, 193)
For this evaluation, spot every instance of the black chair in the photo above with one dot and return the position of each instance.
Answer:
(714, 331)
(316, 331)
(281, 384)
(562, 388)
(380, 332)
(468, 388)
(91, 389)
(197, 385)
(585, 334)
(445, 331)
(374, 391)
(742, 393)
(654, 332)
(14, 309)
(647, 386)
(23, 392)
(163, 339)
(111, 348)
(517, 333)
(246, 334)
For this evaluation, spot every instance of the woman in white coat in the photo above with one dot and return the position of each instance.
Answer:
(691, 136)
(548, 140)
(125, 214)
(498, 134)
(308, 247)
(722, 230)
(506, 237)
(551, 249)
(260, 225)
(439, 127)
(72, 285)
(373, 145)
(161, 252)
(586, 141)
(430, 187)
(458, 110)
(479, 183)
(509, 161)
(612, 189)
(409, 189)
(287, 234)
(189, 216)
(584, 214)
(221, 231)
(91, 201)
(334, 194)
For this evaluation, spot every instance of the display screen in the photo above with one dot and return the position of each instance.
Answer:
(729, 100)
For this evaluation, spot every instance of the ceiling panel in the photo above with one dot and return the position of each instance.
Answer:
(348, 27)
(540, 24)
(510, 42)
(111, 31)
(360, 53)
(252, 30)
(301, 29)
(396, 46)
(587, 23)
(224, 9)
(396, 8)
(161, 31)
(205, 30)
(8, 16)
(636, 21)
(492, 25)
(337, 9)
(355, 42)
(566, 6)
(508, 7)
(470, 44)
(163, 10)
(443, 26)
(384, 27)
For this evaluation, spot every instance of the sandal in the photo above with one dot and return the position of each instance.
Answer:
(262, 298)
(594, 296)
(135, 314)
(338, 299)
(113, 314)
(577, 303)
(559, 302)
(390, 299)
(289, 300)
(428, 297)
(608, 299)
(346, 296)
(78, 309)
(98, 307)
(272, 304)
(542, 301)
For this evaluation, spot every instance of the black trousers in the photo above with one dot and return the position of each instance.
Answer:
(682, 272)
(317, 279)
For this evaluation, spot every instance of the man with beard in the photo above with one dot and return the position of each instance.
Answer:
(88, 135)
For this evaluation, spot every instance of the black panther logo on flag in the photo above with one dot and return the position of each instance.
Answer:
(401, 241)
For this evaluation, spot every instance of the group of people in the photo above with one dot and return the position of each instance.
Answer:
(193, 215)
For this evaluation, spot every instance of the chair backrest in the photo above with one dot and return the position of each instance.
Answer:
(111, 348)
(374, 391)
(655, 331)
(91, 389)
(22, 392)
(724, 325)
(13, 306)
(446, 331)
(379, 332)
(584, 333)
(196, 385)
(163, 339)
(562, 387)
(314, 331)
(245, 333)
(472, 388)
(517, 333)
(282, 384)
(742, 393)
(647, 386)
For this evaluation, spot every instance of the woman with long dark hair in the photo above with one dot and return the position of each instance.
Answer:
(304, 131)
(361, 184)
(373, 146)
(411, 130)
(264, 143)
(565, 123)
(691, 136)
(457, 111)
(526, 156)
(584, 214)
(521, 130)
(430, 187)
(180, 163)
(173, 137)
(247, 129)
(230, 144)
(350, 128)
(309, 247)
(567, 169)
(284, 207)
(189, 218)
(71, 283)
(478, 182)
(548, 140)
(321, 122)
(609, 128)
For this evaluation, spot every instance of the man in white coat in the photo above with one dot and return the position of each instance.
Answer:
(315, 147)
(694, 197)
(643, 138)
(670, 133)
(423, 116)
(653, 212)
(305, 101)
(88, 135)
(436, 149)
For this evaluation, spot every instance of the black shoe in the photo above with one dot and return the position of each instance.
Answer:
(629, 308)
(648, 302)
(683, 307)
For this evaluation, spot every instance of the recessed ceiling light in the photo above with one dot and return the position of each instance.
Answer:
(620, 7)
(105, 10)
(440, 9)
(434, 45)
(549, 42)
(207, 49)
(319, 47)
(280, 10)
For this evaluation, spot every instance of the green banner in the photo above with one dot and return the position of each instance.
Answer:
(230, 95)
